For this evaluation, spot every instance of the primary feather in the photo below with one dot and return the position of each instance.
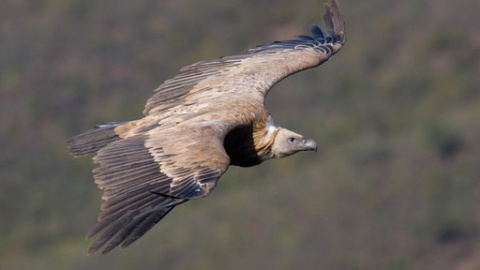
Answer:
(196, 124)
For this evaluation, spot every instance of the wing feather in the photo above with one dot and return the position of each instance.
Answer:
(251, 74)
(336, 22)
(142, 182)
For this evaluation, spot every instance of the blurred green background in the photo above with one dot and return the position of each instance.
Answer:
(395, 184)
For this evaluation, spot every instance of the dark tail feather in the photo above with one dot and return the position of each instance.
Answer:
(93, 140)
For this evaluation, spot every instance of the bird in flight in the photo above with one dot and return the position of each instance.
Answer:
(196, 125)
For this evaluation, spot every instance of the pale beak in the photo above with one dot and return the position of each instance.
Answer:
(310, 145)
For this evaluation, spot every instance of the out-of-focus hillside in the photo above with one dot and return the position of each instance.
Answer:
(395, 184)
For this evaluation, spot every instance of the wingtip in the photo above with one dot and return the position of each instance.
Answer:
(334, 21)
(92, 250)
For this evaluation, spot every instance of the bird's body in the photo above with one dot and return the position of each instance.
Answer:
(198, 123)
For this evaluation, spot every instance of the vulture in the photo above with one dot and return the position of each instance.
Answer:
(208, 117)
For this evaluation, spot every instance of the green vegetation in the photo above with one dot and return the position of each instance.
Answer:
(395, 184)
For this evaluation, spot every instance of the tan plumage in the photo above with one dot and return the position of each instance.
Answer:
(210, 116)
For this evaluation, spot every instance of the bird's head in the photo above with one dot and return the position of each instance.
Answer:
(288, 143)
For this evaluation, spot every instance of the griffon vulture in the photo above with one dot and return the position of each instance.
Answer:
(196, 124)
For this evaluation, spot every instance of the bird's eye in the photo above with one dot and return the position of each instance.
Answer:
(291, 140)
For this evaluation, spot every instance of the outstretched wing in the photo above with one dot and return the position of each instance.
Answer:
(251, 75)
(145, 176)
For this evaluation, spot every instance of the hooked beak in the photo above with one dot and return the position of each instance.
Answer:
(310, 145)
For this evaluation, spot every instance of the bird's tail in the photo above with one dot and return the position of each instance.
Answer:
(93, 140)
